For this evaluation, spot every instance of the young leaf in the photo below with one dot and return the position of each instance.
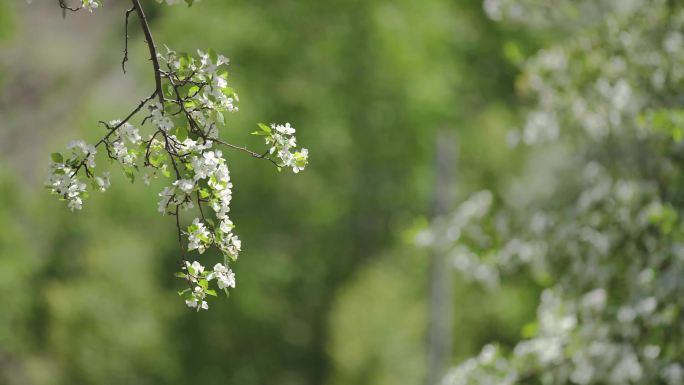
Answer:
(57, 157)
(129, 174)
(193, 90)
(181, 133)
(212, 55)
(264, 127)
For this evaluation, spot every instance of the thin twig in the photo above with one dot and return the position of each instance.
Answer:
(62, 4)
(112, 130)
(245, 149)
(125, 58)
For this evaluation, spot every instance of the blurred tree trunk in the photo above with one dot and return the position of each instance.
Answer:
(441, 286)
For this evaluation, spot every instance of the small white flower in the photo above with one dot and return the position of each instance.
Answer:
(90, 5)
(185, 185)
(282, 141)
(226, 226)
(146, 178)
(284, 129)
(158, 119)
(167, 199)
(130, 133)
(198, 236)
(103, 182)
(83, 152)
(196, 266)
(224, 276)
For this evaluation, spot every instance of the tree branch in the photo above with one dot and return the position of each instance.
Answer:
(153, 49)
(112, 130)
(65, 7)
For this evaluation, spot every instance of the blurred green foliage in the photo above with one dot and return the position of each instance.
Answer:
(6, 20)
(328, 292)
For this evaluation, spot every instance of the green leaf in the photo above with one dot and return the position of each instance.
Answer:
(156, 160)
(264, 127)
(130, 174)
(211, 222)
(212, 55)
(57, 157)
(529, 330)
(193, 90)
(211, 292)
(184, 60)
(181, 133)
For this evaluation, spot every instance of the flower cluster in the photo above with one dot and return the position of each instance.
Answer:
(126, 134)
(611, 256)
(158, 119)
(225, 277)
(203, 83)
(91, 5)
(199, 281)
(63, 180)
(283, 145)
(184, 116)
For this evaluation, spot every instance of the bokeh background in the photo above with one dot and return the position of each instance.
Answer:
(331, 287)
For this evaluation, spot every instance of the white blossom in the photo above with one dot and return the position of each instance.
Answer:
(158, 118)
(83, 152)
(608, 222)
(61, 181)
(283, 144)
(179, 147)
(103, 182)
(199, 237)
(224, 276)
(197, 300)
(184, 185)
(91, 5)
